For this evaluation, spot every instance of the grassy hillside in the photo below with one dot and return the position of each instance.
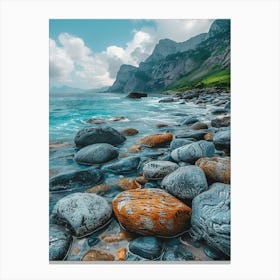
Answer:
(218, 78)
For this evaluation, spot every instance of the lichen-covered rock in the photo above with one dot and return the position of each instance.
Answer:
(189, 120)
(129, 131)
(192, 152)
(221, 122)
(211, 217)
(59, 243)
(222, 140)
(217, 169)
(158, 169)
(199, 125)
(179, 142)
(93, 135)
(148, 247)
(123, 166)
(96, 154)
(97, 255)
(81, 213)
(76, 180)
(156, 140)
(151, 212)
(185, 182)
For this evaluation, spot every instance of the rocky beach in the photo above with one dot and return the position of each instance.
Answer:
(149, 184)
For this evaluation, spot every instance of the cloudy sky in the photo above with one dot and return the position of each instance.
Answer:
(88, 53)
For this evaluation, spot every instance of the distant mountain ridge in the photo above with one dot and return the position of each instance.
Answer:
(181, 65)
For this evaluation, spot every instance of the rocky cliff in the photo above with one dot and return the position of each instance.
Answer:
(173, 65)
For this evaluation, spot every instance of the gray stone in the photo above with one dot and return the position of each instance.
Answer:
(189, 120)
(59, 243)
(219, 111)
(147, 247)
(158, 169)
(192, 152)
(221, 140)
(179, 142)
(227, 106)
(198, 134)
(96, 154)
(126, 165)
(221, 122)
(166, 100)
(93, 135)
(82, 213)
(177, 253)
(76, 180)
(211, 217)
(185, 182)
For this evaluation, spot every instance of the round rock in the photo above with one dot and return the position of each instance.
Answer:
(123, 166)
(189, 120)
(156, 140)
(179, 142)
(147, 247)
(221, 140)
(59, 243)
(93, 135)
(151, 212)
(185, 182)
(158, 169)
(82, 213)
(192, 152)
(211, 217)
(76, 180)
(96, 154)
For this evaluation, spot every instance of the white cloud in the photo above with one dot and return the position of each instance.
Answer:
(73, 63)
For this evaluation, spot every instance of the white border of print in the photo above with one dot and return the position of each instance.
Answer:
(24, 138)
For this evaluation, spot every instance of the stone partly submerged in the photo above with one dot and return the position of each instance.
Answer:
(75, 180)
(222, 140)
(129, 131)
(211, 217)
(81, 213)
(96, 154)
(216, 169)
(97, 255)
(186, 182)
(93, 135)
(151, 212)
(137, 95)
(156, 140)
(192, 152)
(123, 166)
(59, 243)
(158, 169)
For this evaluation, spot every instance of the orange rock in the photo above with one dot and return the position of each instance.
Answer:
(135, 148)
(97, 255)
(141, 179)
(98, 188)
(156, 139)
(151, 211)
(128, 184)
(123, 235)
(129, 131)
(199, 125)
(216, 168)
(58, 145)
(121, 254)
(208, 136)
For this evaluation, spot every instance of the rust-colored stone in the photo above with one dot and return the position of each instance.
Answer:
(135, 148)
(58, 145)
(97, 255)
(151, 211)
(128, 184)
(156, 139)
(121, 254)
(216, 168)
(208, 136)
(199, 125)
(98, 188)
(129, 132)
(123, 235)
(141, 179)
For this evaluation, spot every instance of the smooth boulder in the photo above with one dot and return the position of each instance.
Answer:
(59, 243)
(192, 152)
(216, 169)
(221, 140)
(76, 180)
(151, 212)
(211, 217)
(96, 154)
(158, 169)
(82, 213)
(123, 166)
(156, 140)
(179, 142)
(221, 122)
(148, 247)
(186, 182)
(94, 135)
(189, 120)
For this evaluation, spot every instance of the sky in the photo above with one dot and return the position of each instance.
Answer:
(88, 53)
